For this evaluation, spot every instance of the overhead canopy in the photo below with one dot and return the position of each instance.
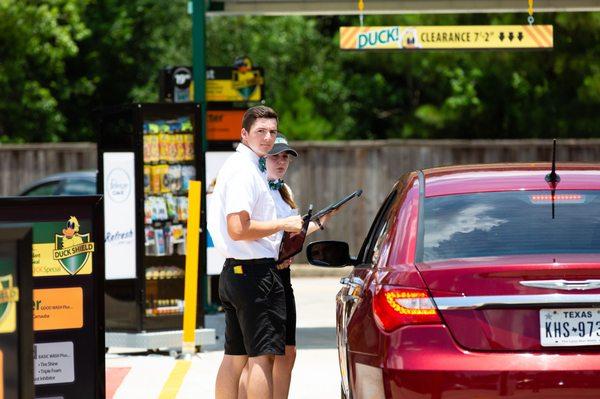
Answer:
(340, 7)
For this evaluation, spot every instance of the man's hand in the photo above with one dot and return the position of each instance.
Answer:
(285, 264)
(292, 224)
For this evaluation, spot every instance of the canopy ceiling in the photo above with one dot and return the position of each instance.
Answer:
(340, 7)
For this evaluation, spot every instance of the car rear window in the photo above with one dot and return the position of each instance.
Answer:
(511, 223)
(78, 187)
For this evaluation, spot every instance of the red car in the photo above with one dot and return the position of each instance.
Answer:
(475, 282)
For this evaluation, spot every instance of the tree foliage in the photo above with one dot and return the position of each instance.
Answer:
(64, 59)
(36, 40)
(61, 60)
(301, 70)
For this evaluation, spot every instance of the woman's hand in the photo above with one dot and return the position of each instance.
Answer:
(323, 219)
(285, 264)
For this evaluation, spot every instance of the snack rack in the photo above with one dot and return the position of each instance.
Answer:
(162, 141)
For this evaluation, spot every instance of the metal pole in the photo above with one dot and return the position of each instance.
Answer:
(199, 72)
(199, 63)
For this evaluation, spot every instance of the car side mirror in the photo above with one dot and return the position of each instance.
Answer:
(329, 254)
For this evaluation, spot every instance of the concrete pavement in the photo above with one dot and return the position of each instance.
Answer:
(316, 374)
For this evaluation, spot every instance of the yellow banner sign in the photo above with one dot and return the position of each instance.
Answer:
(446, 37)
(230, 90)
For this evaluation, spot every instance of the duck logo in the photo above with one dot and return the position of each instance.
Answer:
(72, 249)
(9, 294)
(245, 79)
(409, 39)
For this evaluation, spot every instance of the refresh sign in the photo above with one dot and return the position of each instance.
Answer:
(119, 215)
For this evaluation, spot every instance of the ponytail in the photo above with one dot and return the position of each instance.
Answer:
(286, 194)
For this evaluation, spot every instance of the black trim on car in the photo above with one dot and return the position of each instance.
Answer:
(366, 253)
(420, 229)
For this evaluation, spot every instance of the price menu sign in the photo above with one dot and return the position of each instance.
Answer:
(66, 298)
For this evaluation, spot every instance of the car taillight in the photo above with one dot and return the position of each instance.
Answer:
(394, 307)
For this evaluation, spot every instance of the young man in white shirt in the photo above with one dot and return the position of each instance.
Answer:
(243, 223)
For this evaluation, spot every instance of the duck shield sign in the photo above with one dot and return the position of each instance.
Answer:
(73, 257)
(8, 296)
(61, 249)
(244, 78)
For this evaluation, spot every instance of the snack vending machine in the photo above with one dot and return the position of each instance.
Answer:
(147, 155)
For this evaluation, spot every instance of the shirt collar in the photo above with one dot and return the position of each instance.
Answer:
(247, 152)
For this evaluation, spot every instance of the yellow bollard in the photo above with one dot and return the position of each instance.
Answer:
(188, 346)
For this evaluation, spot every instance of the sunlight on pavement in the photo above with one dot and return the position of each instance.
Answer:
(316, 373)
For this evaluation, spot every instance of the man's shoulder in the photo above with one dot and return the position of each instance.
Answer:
(233, 163)
(239, 167)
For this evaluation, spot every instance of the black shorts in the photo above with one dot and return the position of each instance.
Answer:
(290, 307)
(253, 299)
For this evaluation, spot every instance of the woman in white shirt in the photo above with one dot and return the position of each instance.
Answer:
(277, 163)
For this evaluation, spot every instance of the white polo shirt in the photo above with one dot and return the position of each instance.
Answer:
(241, 186)
(282, 207)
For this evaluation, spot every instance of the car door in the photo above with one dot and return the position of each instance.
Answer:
(354, 285)
(44, 189)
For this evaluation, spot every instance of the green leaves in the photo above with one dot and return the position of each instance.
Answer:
(301, 73)
(62, 59)
(37, 39)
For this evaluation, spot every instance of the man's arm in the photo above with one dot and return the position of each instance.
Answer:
(241, 227)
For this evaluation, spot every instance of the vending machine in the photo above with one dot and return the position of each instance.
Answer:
(147, 155)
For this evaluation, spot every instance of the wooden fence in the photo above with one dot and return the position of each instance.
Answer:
(324, 171)
(21, 164)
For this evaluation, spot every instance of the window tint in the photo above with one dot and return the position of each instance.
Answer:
(372, 243)
(380, 251)
(78, 187)
(511, 223)
(43, 189)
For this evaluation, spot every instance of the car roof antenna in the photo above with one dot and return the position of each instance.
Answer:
(553, 178)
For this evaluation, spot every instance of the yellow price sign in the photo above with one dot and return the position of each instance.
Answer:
(446, 37)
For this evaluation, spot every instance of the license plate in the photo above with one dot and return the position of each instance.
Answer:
(570, 327)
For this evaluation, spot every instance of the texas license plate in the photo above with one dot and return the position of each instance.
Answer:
(570, 327)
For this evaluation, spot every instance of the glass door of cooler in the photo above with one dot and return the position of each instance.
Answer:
(169, 165)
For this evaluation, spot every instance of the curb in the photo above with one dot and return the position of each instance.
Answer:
(306, 270)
